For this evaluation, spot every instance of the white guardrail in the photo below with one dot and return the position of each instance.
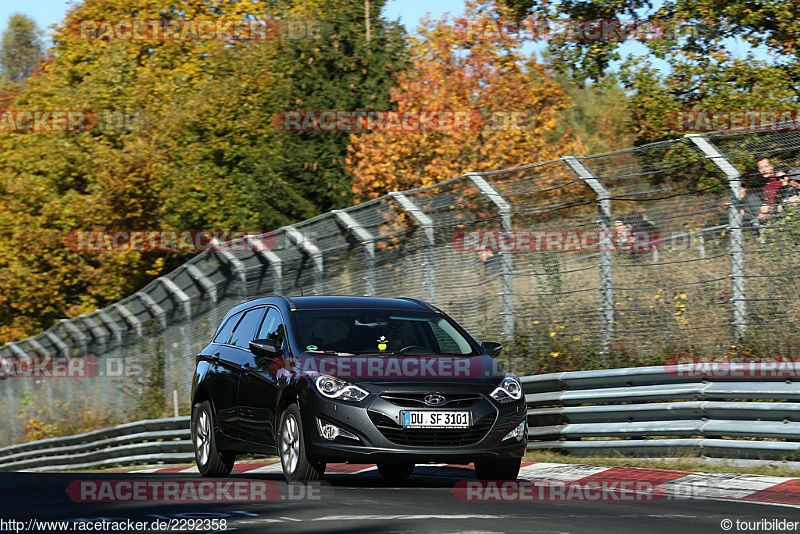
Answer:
(746, 412)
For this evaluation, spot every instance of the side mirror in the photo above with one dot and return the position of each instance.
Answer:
(491, 348)
(264, 347)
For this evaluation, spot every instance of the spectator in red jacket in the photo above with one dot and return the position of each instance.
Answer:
(773, 182)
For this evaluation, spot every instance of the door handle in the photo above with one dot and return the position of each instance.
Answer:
(216, 357)
(246, 368)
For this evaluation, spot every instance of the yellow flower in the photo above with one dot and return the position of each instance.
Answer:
(559, 326)
(535, 322)
(683, 295)
(552, 334)
(555, 354)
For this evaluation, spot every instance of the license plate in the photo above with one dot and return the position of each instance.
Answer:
(435, 419)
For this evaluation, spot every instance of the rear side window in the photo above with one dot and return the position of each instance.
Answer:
(245, 331)
(224, 334)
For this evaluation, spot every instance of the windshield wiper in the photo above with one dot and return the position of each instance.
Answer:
(331, 352)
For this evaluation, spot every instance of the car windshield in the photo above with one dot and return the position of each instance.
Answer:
(353, 331)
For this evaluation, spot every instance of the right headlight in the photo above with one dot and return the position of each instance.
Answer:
(336, 388)
(509, 390)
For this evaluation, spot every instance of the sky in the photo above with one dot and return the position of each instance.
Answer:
(48, 12)
(408, 12)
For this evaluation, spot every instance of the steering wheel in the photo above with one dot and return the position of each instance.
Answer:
(404, 349)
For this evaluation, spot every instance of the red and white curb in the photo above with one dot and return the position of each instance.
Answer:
(681, 484)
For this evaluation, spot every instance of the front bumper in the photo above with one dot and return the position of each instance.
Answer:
(376, 422)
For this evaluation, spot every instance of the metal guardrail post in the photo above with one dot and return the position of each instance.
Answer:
(63, 350)
(738, 292)
(205, 282)
(111, 324)
(129, 318)
(506, 260)
(237, 266)
(75, 334)
(306, 246)
(153, 308)
(604, 225)
(275, 263)
(367, 241)
(176, 292)
(62, 347)
(100, 335)
(426, 223)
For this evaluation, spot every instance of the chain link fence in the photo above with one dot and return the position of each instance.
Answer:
(544, 257)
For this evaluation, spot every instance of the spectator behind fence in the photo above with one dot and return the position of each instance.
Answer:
(750, 208)
(789, 193)
(772, 182)
(637, 234)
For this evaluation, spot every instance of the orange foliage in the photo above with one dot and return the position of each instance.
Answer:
(487, 77)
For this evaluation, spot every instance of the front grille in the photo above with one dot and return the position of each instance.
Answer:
(415, 400)
(432, 437)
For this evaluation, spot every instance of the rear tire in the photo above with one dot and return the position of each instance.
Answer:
(296, 465)
(395, 470)
(500, 469)
(210, 461)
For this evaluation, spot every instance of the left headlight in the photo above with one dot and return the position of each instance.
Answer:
(336, 388)
(509, 390)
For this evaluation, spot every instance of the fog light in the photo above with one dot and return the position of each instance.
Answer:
(518, 433)
(331, 432)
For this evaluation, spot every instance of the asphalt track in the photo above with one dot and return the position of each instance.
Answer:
(365, 502)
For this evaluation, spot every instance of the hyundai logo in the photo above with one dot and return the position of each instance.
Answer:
(434, 400)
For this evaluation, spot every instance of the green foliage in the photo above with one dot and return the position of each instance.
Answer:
(345, 70)
(20, 48)
(696, 46)
(599, 117)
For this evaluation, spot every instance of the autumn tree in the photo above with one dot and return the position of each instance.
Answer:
(20, 48)
(516, 108)
(352, 65)
(196, 163)
(694, 40)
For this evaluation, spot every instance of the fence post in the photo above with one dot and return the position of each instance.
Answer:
(115, 329)
(604, 225)
(275, 262)
(177, 293)
(130, 319)
(367, 241)
(426, 223)
(312, 251)
(506, 261)
(237, 266)
(738, 293)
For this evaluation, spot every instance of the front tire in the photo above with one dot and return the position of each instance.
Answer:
(498, 469)
(296, 465)
(210, 461)
(395, 470)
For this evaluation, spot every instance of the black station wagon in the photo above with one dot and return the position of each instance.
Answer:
(392, 382)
